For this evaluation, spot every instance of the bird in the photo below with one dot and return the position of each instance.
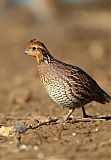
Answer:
(69, 86)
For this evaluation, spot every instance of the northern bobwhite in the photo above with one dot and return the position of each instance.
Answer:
(68, 85)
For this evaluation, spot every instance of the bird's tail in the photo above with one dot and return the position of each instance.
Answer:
(103, 97)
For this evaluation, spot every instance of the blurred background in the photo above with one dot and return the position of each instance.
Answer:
(75, 31)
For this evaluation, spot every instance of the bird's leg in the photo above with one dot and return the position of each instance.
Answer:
(69, 114)
(85, 114)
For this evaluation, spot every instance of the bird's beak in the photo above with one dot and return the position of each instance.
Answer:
(26, 51)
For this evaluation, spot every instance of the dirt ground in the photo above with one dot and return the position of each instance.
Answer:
(80, 38)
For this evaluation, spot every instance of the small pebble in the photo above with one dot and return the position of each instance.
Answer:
(36, 148)
(96, 129)
(55, 139)
(11, 142)
(40, 156)
(20, 127)
(74, 134)
(25, 147)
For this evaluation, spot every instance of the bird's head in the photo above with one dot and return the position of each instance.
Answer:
(37, 49)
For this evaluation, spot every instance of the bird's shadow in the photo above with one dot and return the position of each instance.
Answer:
(102, 117)
(90, 119)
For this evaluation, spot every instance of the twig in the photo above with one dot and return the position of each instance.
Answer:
(49, 122)
(22, 128)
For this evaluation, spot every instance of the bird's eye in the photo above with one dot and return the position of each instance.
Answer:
(34, 48)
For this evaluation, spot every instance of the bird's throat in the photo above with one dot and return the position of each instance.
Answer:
(39, 58)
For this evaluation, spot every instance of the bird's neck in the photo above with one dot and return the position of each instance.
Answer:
(44, 58)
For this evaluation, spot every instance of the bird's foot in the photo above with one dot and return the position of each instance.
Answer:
(87, 116)
(68, 119)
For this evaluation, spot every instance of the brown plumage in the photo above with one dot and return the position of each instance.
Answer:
(68, 85)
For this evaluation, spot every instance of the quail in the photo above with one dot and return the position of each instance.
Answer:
(68, 85)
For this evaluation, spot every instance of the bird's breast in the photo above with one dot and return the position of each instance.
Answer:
(58, 87)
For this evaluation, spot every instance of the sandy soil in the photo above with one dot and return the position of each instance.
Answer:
(24, 100)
